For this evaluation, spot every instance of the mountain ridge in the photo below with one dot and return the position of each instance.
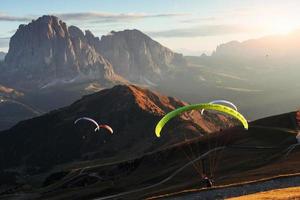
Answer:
(142, 60)
(130, 110)
(48, 52)
(157, 172)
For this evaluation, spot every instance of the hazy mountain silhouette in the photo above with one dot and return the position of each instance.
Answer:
(260, 75)
(2, 55)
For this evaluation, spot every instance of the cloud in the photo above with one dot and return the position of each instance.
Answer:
(200, 31)
(10, 18)
(92, 16)
(112, 17)
(199, 19)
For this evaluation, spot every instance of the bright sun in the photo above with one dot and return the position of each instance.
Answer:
(282, 27)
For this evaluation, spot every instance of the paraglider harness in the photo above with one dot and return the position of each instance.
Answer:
(208, 182)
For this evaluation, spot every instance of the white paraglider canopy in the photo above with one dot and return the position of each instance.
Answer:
(88, 119)
(221, 101)
(105, 126)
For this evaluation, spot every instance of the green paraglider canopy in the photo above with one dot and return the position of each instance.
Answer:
(207, 106)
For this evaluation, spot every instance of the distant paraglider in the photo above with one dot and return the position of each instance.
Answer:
(107, 127)
(207, 106)
(221, 102)
(88, 119)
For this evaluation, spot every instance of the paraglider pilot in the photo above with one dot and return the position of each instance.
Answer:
(207, 181)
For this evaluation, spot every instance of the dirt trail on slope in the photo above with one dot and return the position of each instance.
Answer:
(235, 190)
(279, 194)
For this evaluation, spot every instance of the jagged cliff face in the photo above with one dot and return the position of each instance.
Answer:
(137, 57)
(47, 50)
(47, 58)
(89, 61)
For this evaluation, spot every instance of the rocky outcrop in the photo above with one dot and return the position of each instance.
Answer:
(47, 51)
(137, 57)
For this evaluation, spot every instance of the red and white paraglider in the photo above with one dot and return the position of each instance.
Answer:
(105, 126)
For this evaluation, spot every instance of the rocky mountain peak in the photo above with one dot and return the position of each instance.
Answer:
(137, 57)
(47, 50)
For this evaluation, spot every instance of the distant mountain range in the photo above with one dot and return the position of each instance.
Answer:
(49, 59)
(267, 54)
(261, 75)
(54, 74)
(275, 51)
(47, 52)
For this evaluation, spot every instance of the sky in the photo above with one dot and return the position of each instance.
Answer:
(191, 27)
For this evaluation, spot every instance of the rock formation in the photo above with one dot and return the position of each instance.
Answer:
(137, 57)
(47, 51)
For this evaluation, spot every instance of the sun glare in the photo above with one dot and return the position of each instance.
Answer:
(282, 27)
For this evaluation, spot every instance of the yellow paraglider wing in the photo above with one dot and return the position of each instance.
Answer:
(216, 107)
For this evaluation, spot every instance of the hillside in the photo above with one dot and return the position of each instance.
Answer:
(12, 108)
(267, 144)
(279, 194)
(37, 145)
(248, 156)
